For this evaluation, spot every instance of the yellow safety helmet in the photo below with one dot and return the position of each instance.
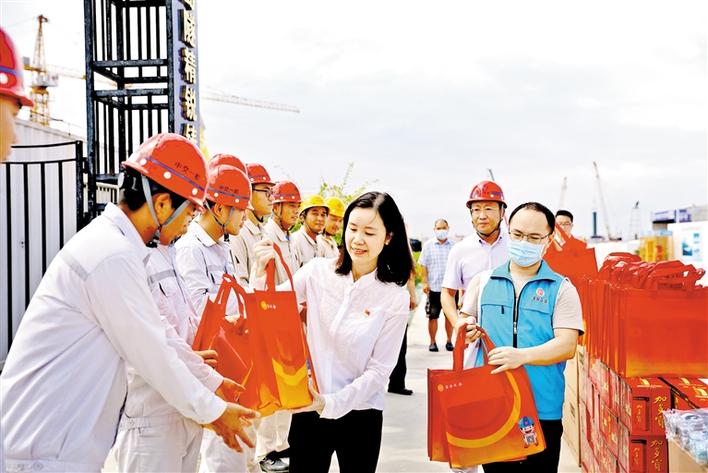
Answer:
(336, 206)
(313, 201)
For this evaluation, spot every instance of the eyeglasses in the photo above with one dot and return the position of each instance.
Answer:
(533, 238)
(267, 192)
(566, 224)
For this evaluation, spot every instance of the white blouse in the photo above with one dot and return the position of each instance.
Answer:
(354, 331)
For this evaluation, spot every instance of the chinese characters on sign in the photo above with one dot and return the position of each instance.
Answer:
(186, 84)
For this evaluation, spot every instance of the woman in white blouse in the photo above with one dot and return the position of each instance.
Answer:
(357, 309)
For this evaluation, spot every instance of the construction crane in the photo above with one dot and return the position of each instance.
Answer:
(601, 198)
(635, 222)
(42, 79)
(564, 188)
(491, 173)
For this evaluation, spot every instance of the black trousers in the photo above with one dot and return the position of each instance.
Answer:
(544, 462)
(397, 380)
(356, 438)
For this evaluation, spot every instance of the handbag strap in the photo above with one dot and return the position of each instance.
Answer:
(458, 353)
(270, 271)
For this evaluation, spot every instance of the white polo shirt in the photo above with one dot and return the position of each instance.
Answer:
(284, 241)
(305, 247)
(470, 257)
(328, 246)
(242, 247)
(64, 382)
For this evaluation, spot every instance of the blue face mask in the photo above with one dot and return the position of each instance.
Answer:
(441, 234)
(525, 254)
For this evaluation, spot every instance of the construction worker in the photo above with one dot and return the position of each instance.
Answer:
(152, 435)
(12, 93)
(259, 210)
(313, 215)
(547, 308)
(272, 431)
(333, 225)
(202, 259)
(92, 313)
(486, 249)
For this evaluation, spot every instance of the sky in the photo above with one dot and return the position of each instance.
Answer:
(425, 97)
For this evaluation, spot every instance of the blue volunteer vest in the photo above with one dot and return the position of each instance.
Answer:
(526, 324)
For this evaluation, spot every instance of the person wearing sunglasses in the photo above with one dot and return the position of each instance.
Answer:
(533, 316)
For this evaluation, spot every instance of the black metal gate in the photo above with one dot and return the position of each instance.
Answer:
(41, 207)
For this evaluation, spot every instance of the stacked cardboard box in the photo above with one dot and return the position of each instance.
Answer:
(622, 426)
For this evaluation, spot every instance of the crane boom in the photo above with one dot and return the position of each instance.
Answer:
(564, 187)
(601, 197)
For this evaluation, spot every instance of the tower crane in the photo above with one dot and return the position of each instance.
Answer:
(564, 188)
(42, 79)
(601, 198)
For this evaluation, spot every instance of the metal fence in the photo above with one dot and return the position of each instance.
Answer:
(41, 207)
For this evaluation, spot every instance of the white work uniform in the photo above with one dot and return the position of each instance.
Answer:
(242, 246)
(305, 247)
(64, 381)
(202, 262)
(272, 231)
(354, 331)
(328, 246)
(470, 257)
(153, 435)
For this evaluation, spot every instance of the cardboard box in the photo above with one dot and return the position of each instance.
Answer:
(682, 461)
(642, 404)
(640, 454)
(688, 393)
(571, 423)
(580, 355)
(615, 388)
(607, 461)
(609, 428)
(604, 383)
(571, 373)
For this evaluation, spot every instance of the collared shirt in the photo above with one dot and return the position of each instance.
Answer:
(305, 247)
(64, 382)
(328, 246)
(472, 256)
(284, 241)
(202, 262)
(354, 331)
(242, 247)
(181, 321)
(434, 257)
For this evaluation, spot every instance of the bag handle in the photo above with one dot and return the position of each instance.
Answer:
(270, 271)
(458, 353)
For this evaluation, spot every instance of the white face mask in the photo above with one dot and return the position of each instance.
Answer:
(441, 234)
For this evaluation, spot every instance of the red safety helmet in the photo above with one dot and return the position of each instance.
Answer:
(11, 83)
(487, 191)
(258, 174)
(228, 185)
(175, 163)
(230, 159)
(286, 191)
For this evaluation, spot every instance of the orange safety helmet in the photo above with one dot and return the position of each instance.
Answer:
(286, 191)
(258, 174)
(11, 82)
(224, 158)
(487, 191)
(175, 163)
(228, 185)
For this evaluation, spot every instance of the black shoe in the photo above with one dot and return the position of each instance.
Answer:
(449, 346)
(269, 465)
(401, 391)
(433, 347)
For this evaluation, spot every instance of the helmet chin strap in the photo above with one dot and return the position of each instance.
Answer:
(224, 224)
(155, 240)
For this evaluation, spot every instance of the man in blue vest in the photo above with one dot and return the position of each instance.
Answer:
(534, 318)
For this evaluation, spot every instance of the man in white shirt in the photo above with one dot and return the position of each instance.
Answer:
(286, 205)
(332, 227)
(313, 214)
(252, 232)
(64, 382)
(486, 249)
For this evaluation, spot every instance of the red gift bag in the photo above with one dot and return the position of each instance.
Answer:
(486, 417)
(571, 257)
(230, 340)
(280, 351)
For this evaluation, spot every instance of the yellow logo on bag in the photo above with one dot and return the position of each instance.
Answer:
(265, 306)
